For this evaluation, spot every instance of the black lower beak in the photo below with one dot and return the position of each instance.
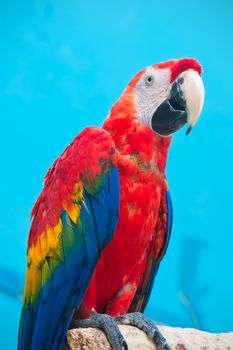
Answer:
(171, 115)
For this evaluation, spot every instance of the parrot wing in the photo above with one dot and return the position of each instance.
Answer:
(73, 219)
(156, 253)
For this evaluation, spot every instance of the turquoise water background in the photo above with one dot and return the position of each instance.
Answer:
(62, 66)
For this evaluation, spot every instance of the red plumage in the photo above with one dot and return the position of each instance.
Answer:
(125, 267)
(141, 160)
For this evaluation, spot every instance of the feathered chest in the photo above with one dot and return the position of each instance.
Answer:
(141, 185)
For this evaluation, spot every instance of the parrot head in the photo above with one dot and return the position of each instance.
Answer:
(166, 96)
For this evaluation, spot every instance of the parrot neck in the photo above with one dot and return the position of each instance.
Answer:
(133, 139)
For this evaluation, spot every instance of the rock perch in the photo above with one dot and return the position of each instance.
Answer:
(178, 338)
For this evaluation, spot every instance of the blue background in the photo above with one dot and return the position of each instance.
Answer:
(62, 66)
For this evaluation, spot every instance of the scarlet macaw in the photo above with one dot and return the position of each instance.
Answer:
(102, 222)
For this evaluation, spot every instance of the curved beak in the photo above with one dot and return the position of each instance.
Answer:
(184, 105)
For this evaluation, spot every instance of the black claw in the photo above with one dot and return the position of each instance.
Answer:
(139, 320)
(108, 325)
(125, 345)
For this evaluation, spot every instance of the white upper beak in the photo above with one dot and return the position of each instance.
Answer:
(194, 93)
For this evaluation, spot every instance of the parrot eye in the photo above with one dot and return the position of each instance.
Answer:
(149, 80)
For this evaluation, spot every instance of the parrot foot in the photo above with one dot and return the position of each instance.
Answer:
(108, 325)
(139, 320)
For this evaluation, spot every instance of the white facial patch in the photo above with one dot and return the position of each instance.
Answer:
(150, 91)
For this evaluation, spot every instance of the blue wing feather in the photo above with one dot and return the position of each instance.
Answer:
(43, 326)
